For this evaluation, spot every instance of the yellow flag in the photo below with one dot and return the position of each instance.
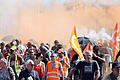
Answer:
(75, 44)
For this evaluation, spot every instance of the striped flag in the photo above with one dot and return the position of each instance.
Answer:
(114, 41)
(75, 44)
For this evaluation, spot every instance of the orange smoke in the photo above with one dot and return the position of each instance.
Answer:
(47, 24)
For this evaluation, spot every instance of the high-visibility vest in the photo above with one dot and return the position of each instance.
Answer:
(65, 69)
(17, 69)
(53, 74)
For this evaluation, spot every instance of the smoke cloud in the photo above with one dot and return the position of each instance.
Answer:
(47, 20)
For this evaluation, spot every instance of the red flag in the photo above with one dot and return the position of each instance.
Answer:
(114, 41)
(88, 47)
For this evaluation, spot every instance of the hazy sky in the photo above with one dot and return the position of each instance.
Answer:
(35, 18)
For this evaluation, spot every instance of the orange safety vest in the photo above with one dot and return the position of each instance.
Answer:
(53, 74)
(65, 69)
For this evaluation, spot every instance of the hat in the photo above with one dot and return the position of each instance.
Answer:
(115, 64)
(47, 45)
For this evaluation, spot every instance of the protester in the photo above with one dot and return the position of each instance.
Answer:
(60, 46)
(7, 51)
(115, 72)
(39, 65)
(26, 54)
(20, 47)
(110, 54)
(52, 69)
(29, 45)
(29, 73)
(71, 53)
(6, 72)
(73, 63)
(47, 46)
(54, 48)
(43, 51)
(2, 47)
(100, 58)
(64, 61)
(30, 55)
(108, 57)
(56, 67)
(15, 61)
(88, 68)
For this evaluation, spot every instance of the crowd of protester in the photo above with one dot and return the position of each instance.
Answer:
(30, 62)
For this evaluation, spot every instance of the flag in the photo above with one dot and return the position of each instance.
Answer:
(75, 44)
(88, 47)
(114, 41)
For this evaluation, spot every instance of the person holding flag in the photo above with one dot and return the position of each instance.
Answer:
(71, 53)
(88, 68)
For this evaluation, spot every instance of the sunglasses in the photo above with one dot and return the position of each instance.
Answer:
(52, 56)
